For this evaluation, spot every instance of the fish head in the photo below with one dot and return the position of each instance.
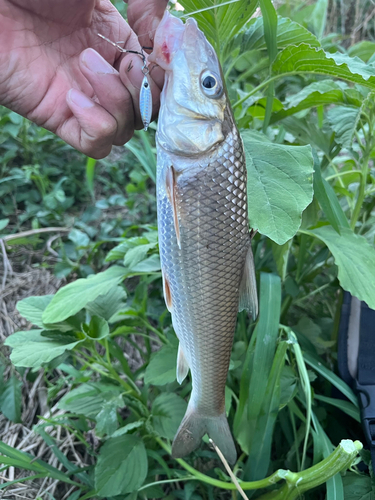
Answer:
(193, 101)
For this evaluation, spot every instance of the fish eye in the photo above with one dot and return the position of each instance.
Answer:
(211, 85)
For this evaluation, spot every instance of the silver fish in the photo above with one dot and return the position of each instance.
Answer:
(204, 240)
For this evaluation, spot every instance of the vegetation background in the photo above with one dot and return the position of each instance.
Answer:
(88, 395)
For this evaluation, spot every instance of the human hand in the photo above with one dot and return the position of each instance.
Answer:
(51, 74)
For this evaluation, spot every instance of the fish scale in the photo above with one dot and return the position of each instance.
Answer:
(204, 274)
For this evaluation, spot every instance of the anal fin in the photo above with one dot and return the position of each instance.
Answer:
(171, 188)
(182, 366)
(248, 287)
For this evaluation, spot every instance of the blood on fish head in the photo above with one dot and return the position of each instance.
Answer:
(193, 100)
(167, 41)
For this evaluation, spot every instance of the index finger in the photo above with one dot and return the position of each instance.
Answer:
(144, 17)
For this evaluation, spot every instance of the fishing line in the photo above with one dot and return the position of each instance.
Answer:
(145, 95)
(192, 13)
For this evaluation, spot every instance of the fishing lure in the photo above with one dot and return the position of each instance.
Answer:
(145, 95)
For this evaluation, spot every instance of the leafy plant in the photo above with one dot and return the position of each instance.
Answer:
(306, 112)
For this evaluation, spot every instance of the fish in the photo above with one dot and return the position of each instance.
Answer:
(204, 239)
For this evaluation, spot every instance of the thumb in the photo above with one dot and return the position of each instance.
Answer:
(144, 17)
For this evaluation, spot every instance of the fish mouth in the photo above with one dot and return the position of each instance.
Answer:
(170, 35)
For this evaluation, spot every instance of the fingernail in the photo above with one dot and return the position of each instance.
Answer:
(80, 99)
(96, 63)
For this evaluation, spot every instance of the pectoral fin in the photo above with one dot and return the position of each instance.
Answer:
(171, 188)
(167, 292)
(248, 287)
(182, 366)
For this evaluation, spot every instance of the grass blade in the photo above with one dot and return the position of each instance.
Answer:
(318, 366)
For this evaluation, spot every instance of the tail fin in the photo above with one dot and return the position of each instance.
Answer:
(194, 426)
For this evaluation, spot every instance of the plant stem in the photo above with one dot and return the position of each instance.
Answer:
(296, 483)
(340, 459)
(245, 485)
(361, 192)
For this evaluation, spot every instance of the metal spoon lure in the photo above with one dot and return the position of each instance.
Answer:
(145, 95)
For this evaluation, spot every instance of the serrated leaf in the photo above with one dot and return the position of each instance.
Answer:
(355, 259)
(320, 93)
(137, 254)
(88, 399)
(31, 349)
(121, 467)
(109, 304)
(73, 297)
(149, 265)
(32, 308)
(305, 59)
(128, 427)
(279, 187)
(343, 120)
(11, 399)
(288, 33)
(220, 23)
(162, 367)
(168, 410)
(106, 419)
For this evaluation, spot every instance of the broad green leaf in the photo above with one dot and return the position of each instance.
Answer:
(162, 367)
(97, 328)
(149, 265)
(73, 297)
(364, 50)
(305, 59)
(279, 187)
(106, 419)
(168, 410)
(307, 131)
(127, 428)
(88, 399)
(355, 259)
(220, 24)
(343, 121)
(3, 223)
(327, 199)
(358, 487)
(288, 33)
(121, 467)
(32, 308)
(317, 21)
(137, 254)
(11, 399)
(34, 349)
(109, 304)
(324, 92)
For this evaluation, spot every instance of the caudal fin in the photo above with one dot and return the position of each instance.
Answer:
(194, 426)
